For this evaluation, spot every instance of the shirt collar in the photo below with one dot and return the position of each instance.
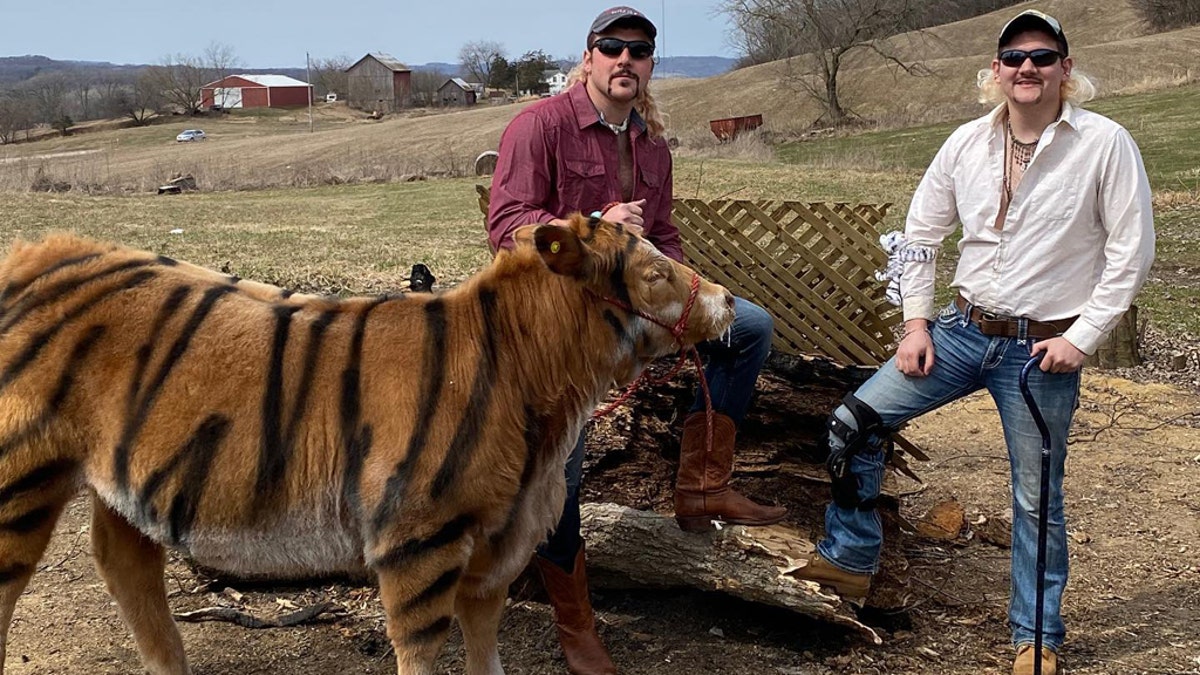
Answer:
(1000, 113)
(585, 112)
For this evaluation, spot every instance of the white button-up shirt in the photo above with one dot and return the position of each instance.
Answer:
(1078, 238)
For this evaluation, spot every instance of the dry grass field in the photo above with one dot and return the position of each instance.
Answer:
(350, 207)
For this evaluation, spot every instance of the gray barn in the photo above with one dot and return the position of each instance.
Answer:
(379, 83)
(456, 92)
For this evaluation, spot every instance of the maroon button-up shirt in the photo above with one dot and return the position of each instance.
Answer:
(557, 158)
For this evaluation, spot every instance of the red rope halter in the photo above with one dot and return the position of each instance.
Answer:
(684, 354)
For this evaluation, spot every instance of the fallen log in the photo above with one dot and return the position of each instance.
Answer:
(648, 549)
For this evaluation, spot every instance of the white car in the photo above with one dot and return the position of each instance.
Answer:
(191, 135)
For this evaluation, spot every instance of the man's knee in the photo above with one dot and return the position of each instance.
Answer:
(853, 428)
(753, 321)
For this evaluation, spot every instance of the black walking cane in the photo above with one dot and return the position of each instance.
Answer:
(1043, 510)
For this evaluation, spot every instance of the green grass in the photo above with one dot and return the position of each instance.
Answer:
(1165, 125)
(345, 239)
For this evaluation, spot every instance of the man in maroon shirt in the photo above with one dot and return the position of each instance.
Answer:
(598, 148)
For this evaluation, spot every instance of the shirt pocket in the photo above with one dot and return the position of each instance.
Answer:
(1054, 199)
(583, 185)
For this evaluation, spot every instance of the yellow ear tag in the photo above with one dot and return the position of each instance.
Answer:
(554, 246)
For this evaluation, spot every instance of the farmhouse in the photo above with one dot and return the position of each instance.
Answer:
(456, 91)
(556, 79)
(379, 83)
(256, 91)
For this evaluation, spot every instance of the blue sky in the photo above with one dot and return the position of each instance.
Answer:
(269, 33)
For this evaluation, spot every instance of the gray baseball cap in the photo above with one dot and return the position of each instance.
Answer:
(626, 15)
(1031, 19)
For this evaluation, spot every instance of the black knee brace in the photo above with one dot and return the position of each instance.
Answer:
(871, 433)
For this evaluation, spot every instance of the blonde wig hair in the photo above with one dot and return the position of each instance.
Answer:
(1076, 89)
(645, 104)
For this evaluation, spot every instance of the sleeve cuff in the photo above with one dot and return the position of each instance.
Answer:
(1084, 336)
(919, 308)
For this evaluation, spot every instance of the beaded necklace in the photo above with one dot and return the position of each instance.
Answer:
(1017, 156)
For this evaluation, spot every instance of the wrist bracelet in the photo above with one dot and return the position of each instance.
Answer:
(916, 330)
(604, 209)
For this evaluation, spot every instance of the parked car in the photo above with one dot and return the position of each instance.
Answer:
(191, 135)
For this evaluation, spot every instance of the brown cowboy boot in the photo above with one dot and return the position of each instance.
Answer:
(1023, 664)
(702, 492)
(573, 613)
(850, 585)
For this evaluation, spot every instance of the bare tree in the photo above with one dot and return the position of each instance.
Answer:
(47, 93)
(181, 77)
(139, 100)
(329, 75)
(16, 114)
(476, 59)
(1169, 14)
(424, 87)
(826, 33)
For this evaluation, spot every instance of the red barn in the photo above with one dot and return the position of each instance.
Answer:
(256, 91)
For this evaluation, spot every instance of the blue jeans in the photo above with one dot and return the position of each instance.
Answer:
(965, 361)
(732, 372)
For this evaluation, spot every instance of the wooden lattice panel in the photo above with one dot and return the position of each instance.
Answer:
(810, 265)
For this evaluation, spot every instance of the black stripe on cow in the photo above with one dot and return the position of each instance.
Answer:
(631, 245)
(41, 340)
(15, 287)
(469, 429)
(404, 553)
(593, 224)
(66, 380)
(272, 460)
(63, 288)
(356, 439)
(617, 325)
(433, 374)
(136, 416)
(29, 522)
(286, 293)
(146, 350)
(14, 571)
(430, 633)
(40, 477)
(435, 590)
(535, 436)
(617, 280)
(233, 279)
(199, 453)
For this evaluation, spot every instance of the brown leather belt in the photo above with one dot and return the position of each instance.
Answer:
(1002, 325)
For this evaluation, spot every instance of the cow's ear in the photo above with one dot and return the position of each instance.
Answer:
(562, 250)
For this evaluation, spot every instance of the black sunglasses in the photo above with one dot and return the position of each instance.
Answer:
(1013, 58)
(611, 46)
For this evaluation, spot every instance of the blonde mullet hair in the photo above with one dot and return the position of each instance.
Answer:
(645, 104)
(1076, 89)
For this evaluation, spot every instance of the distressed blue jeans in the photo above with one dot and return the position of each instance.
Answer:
(965, 361)
(732, 371)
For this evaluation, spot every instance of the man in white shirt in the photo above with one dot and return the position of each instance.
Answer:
(1057, 238)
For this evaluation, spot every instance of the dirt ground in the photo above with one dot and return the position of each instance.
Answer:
(1132, 606)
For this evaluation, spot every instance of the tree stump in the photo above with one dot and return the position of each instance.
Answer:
(1121, 350)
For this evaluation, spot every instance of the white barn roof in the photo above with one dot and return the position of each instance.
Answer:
(274, 80)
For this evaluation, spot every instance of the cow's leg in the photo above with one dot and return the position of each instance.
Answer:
(418, 597)
(32, 498)
(132, 567)
(479, 616)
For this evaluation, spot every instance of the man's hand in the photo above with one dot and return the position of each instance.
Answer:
(1060, 356)
(914, 356)
(626, 213)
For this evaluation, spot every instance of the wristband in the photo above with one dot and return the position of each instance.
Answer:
(596, 214)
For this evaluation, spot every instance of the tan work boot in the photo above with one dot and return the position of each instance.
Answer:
(702, 492)
(849, 585)
(576, 621)
(1023, 665)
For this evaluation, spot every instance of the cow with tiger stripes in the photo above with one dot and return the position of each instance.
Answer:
(419, 436)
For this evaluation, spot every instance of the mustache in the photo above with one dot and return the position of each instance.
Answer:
(625, 73)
